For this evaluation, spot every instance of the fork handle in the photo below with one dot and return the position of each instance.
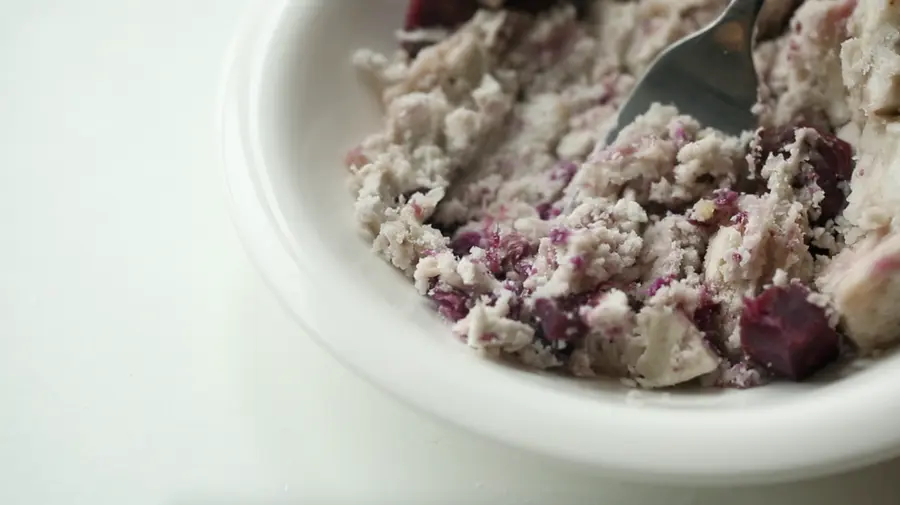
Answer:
(743, 9)
(734, 30)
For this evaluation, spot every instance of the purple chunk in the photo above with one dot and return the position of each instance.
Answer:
(452, 303)
(507, 252)
(706, 314)
(559, 236)
(659, 283)
(577, 262)
(831, 159)
(705, 319)
(438, 13)
(726, 199)
(787, 334)
(558, 323)
(536, 6)
(464, 242)
(546, 211)
(770, 141)
(726, 208)
(564, 171)
(452, 13)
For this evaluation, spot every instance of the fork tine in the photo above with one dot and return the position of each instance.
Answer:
(709, 75)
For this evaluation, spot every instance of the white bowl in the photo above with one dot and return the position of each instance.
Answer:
(291, 108)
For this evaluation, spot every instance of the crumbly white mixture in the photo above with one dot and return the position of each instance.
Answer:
(864, 279)
(491, 187)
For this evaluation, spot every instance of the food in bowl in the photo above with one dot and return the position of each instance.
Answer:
(676, 253)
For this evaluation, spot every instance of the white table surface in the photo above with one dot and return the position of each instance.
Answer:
(142, 360)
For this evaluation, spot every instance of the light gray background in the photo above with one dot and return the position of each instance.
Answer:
(142, 361)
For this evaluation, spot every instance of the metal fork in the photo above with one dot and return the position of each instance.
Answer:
(709, 75)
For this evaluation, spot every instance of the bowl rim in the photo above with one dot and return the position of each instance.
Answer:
(838, 432)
